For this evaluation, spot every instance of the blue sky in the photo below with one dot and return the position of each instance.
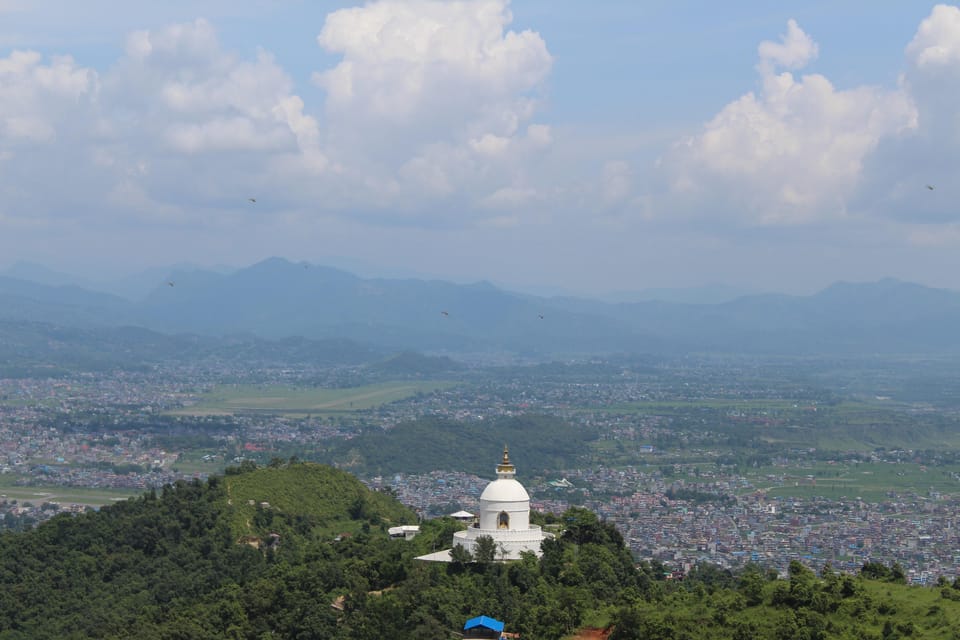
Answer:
(582, 147)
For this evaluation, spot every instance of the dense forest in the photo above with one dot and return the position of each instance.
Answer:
(301, 551)
(544, 443)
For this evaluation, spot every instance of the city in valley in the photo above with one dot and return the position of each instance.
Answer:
(725, 461)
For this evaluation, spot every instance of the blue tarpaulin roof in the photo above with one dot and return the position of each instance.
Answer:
(484, 621)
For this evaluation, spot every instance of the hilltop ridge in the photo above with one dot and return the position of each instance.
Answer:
(198, 560)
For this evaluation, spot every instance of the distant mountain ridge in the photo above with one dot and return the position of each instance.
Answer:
(35, 348)
(706, 294)
(130, 287)
(278, 299)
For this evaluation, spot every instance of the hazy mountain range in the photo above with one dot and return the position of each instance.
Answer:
(277, 299)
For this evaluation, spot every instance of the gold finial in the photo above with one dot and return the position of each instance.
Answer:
(505, 465)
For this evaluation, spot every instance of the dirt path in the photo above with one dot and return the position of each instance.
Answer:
(592, 633)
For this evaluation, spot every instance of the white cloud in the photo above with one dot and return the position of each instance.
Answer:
(801, 149)
(490, 144)
(38, 100)
(186, 42)
(178, 122)
(896, 174)
(937, 41)
(191, 95)
(216, 126)
(223, 134)
(794, 50)
(435, 96)
(431, 172)
(539, 134)
(48, 119)
(430, 112)
(792, 152)
(510, 197)
(933, 72)
(407, 60)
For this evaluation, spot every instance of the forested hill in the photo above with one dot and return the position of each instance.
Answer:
(544, 443)
(198, 561)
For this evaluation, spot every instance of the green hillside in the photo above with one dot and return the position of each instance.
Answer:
(411, 363)
(716, 604)
(328, 499)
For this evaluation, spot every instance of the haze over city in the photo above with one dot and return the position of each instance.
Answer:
(534, 144)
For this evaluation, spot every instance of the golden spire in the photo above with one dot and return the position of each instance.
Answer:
(505, 465)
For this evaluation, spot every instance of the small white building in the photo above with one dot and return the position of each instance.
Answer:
(462, 516)
(405, 531)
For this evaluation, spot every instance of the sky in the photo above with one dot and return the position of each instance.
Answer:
(541, 145)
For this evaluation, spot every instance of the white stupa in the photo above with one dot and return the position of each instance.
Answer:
(504, 516)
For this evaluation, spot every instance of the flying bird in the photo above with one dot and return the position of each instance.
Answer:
(446, 313)
(253, 200)
(930, 186)
(540, 315)
(170, 284)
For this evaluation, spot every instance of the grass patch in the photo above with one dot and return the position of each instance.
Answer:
(929, 614)
(332, 501)
(193, 462)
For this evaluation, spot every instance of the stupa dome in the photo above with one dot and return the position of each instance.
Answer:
(505, 490)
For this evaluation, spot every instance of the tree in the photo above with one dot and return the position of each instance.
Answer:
(486, 550)
(897, 574)
(460, 556)
(751, 585)
(582, 526)
(802, 585)
(875, 571)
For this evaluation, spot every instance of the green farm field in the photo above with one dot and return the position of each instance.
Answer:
(872, 482)
(193, 462)
(64, 495)
(233, 399)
